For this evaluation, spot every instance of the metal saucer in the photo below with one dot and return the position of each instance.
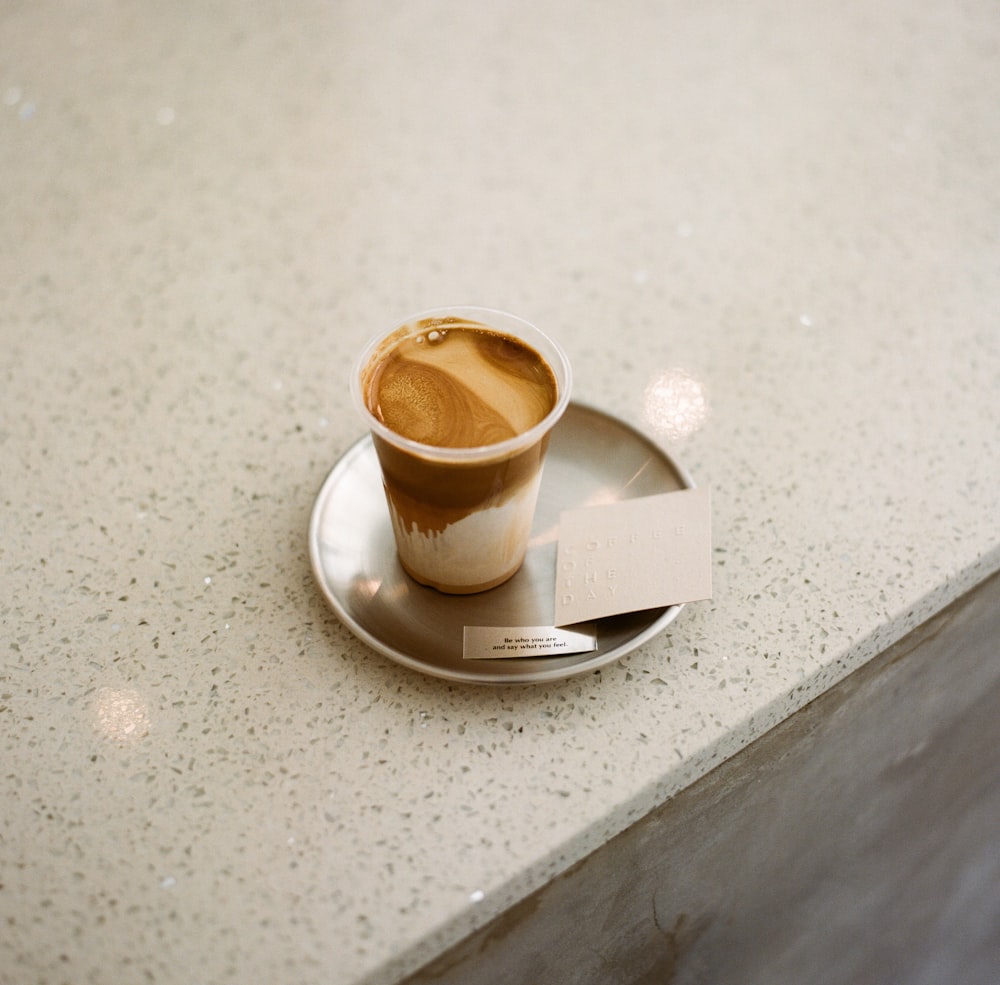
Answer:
(593, 458)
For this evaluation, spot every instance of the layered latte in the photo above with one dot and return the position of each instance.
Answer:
(463, 410)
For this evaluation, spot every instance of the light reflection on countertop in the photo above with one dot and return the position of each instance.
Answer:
(675, 404)
(121, 715)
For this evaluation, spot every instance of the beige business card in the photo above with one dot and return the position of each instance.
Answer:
(635, 554)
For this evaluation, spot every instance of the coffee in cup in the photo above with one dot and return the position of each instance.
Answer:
(460, 403)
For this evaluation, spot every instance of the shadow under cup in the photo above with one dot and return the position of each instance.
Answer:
(461, 517)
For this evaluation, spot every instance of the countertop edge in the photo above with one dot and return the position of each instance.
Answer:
(452, 929)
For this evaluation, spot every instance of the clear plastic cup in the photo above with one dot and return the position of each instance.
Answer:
(461, 516)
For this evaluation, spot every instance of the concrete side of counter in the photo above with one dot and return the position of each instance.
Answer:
(857, 841)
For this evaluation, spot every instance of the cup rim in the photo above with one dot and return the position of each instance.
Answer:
(476, 454)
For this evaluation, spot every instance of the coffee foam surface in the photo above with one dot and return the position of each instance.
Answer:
(461, 386)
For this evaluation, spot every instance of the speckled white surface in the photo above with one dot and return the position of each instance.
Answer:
(208, 207)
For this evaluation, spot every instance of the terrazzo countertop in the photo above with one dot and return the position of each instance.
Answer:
(788, 212)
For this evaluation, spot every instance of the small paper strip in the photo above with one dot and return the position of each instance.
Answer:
(503, 642)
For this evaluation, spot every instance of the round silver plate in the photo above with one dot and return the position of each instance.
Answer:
(593, 458)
